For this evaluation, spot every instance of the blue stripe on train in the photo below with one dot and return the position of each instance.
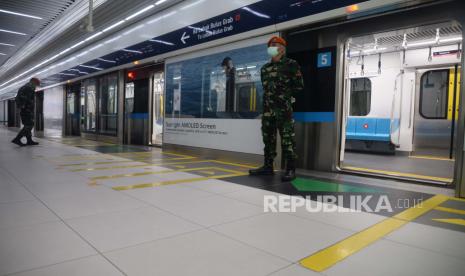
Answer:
(314, 116)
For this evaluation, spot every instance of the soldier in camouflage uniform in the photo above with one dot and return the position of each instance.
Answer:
(281, 78)
(25, 102)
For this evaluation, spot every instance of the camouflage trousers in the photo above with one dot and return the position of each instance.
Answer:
(285, 126)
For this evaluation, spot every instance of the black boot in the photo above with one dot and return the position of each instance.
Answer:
(18, 142)
(266, 169)
(30, 142)
(289, 174)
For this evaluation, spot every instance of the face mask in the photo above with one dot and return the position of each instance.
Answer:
(273, 51)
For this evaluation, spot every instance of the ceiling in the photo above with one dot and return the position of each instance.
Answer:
(63, 31)
(36, 16)
(438, 34)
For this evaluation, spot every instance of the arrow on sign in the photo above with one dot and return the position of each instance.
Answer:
(184, 37)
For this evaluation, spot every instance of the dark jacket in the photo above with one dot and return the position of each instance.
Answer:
(25, 98)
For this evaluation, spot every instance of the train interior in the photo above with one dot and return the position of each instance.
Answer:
(401, 103)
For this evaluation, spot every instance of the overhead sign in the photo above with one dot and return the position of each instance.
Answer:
(254, 16)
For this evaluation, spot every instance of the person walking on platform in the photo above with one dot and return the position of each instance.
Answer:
(281, 79)
(25, 102)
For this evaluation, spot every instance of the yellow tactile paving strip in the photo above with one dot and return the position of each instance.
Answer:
(329, 256)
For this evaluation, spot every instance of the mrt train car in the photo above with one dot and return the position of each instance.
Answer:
(403, 91)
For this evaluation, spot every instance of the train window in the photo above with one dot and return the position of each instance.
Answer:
(360, 97)
(434, 94)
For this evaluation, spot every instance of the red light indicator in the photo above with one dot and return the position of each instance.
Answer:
(365, 126)
(131, 75)
(352, 8)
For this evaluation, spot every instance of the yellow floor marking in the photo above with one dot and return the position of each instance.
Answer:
(450, 210)
(329, 256)
(172, 182)
(457, 199)
(401, 174)
(235, 164)
(207, 172)
(115, 176)
(137, 166)
(180, 167)
(120, 161)
(428, 157)
(452, 221)
(157, 164)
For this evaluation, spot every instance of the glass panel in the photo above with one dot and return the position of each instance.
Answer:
(70, 103)
(108, 104)
(360, 97)
(90, 105)
(221, 85)
(433, 95)
(158, 90)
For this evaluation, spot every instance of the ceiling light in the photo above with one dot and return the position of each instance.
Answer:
(374, 50)
(256, 13)
(93, 36)
(75, 45)
(21, 14)
(106, 60)
(452, 39)
(96, 47)
(423, 43)
(160, 2)
(139, 12)
(132, 51)
(91, 67)
(2, 54)
(161, 41)
(113, 39)
(6, 44)
(191, 5)
(82, 54)
(114, 25)
(11, 32)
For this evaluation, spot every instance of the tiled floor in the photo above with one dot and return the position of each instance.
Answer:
(56, 221)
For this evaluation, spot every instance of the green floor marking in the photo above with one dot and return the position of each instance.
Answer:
(312, 185)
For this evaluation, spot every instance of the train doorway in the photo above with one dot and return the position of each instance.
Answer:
(144, 100)
(401, 103)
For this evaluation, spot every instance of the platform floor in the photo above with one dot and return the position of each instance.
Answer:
(77, 207)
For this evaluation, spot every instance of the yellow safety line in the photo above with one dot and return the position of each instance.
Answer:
(329, 256)
(452, 221)
(450, 210)
(409, 175)
(120, 161)
(137, 166)
(106, 177)
(234, 164)
(171, 182)
(159, 164)
(457, 199)
(431, 158)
